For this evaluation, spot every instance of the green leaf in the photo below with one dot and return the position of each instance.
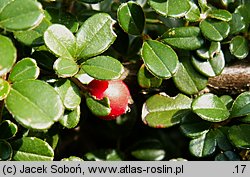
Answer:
(227, 156)
(95, 35)
(193, 15)
(204, 145)
(8, 55)
(98, 107)
(146, 79)
(8, 129)
(187, 38)
(214, 30)
(131, 18)
(239, 135)
(239, 47)
(227, 100)
(211, 67)
(203, 5)
(24, 69)
(187, 79)
(5, 151)
(210, 107)
(149, 150)
(161, 111)
(59, 16)
(193, 126)
(20, 14)
(91, 1)
(34, 104)
(31, 149)
(4, 89)
(61, 41)
(103, 68)
(241, 105)
(220, 14)
(69, 93)
(214, 49)
(161, 60)
(103, 155)
(243, 10)
(236, 24)
(221, 135)
(33, 37)
(72, 158)
(160, 6)
(177, 8)
(70, 119)
(65, 67)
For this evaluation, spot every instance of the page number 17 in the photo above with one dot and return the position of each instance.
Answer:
(239, 168)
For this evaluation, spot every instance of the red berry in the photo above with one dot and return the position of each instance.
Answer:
(116, 91)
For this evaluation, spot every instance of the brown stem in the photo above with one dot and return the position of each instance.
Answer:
(82, 86)
(234, 79)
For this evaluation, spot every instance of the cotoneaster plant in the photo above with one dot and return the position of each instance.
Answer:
(64, 65)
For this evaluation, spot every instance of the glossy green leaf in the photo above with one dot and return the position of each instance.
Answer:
(211, 67)
(203, 5)
(70, 119)
(187, 38)
(246, 119)
(177, 8)
(72, 158)
(150, 149)
(61, 41)
(34, 104)
(103, 155)
(204, 145)
(239, 135)
(4, 89)
(161, 111)
(20, 14)
(33, 37)
(7, 55)
(220, 14)
(223, 142)
(187, 79)
(59, 16)
(241, 105)
(69, 93)
(95, 35)
(203, 53)
(172, 8)
(193, 126)
(243, 10)
(239, 47)
(146, 79)
(227, 100)
(228, 156)
(236, 24)
(8, 129)
(193, 15)
(214, 49)
(160, 59)
(160, 6)
(5, 150)
(91, 1)
(24, 69)
(131, 18)
(215, 30)
(65, 67)
(98, 107)
(210, 107)
(103, 68)
(31, 149)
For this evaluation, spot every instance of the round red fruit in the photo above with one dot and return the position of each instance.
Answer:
(116, 91)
